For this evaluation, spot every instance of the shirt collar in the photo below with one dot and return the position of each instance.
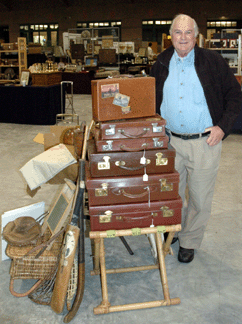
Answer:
(188, 60)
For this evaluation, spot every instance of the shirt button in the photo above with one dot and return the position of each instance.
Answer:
(182, 125)
(182, 70)
(181, 83)
(181, 97)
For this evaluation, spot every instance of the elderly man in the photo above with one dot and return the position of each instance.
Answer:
(200, 98)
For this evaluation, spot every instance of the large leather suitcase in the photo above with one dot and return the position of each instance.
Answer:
(130, 144)
(133, 128)
(111, 164)
(115, 217)
(123, 98)
(131, 189)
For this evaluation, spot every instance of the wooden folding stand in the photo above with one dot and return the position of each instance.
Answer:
(100, 268)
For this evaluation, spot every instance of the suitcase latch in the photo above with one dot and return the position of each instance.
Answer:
(104, 165)
(165, 186)
(108, 146)
(101, 192)
(106, 218)
(157, 143)
(111, 130)
(167, 212)
(160, 161)
(156, 128)
(120, 163)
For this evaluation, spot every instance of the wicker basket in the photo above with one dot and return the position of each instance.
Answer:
(25, 264)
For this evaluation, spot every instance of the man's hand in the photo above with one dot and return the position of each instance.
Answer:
(215, 136)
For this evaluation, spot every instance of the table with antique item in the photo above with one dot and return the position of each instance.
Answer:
(30, 105)
(81, 81)
(46, 78)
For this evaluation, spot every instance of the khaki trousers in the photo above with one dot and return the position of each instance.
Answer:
(197, 164)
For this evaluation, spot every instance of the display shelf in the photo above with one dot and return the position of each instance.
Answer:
(94, 40)
(9, 51)
(21, 56)
(232, 54)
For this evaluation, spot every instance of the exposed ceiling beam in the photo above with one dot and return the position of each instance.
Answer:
(66, 2)
(6, 4)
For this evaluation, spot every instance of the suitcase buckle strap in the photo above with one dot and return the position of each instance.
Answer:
(156, 128)
(165, 186)
(157, 143)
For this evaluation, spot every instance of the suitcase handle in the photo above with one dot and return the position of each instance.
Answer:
(119, 164)
(145, 130)
(133, 219)
(129, 195)
(16, 294)
(129, 149)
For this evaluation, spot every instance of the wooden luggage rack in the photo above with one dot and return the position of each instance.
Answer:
(100, 267)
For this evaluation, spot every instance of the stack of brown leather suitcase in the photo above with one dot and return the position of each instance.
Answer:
(131, 180)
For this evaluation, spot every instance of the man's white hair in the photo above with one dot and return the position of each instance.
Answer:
(196, 30)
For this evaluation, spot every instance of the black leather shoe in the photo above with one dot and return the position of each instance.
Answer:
(173, 240)
(185, 255)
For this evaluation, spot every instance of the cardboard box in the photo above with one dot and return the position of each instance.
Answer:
(54, 138)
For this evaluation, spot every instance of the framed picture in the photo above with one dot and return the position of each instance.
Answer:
(224, 43)
(97, 48)
(122, 47)
(138, 60)
(142, 51)
(233, 43)
(24, 78)
(90, 61)
(215, 43)
(130, 47)
(89, 48)
(60, 210)
(107, 41)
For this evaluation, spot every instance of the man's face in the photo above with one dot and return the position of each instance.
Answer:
(183, 35)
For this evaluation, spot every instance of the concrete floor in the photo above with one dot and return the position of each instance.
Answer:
(209, 287)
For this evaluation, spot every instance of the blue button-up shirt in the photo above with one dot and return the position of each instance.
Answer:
(184, 105)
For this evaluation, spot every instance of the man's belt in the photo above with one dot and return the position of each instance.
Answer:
(190, 136)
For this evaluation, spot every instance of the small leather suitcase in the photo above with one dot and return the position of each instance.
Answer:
(131, 189)
(133, 128)
(130, 144)
(111, 164)
(123, 98)
(128, 216)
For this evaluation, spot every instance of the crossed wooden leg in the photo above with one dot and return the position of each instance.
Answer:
(100, 268)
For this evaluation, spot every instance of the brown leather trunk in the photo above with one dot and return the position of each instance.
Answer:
(133, 128)
(130, 144)
(111, 164)
(131, 189)
(126, 216)
(123, 98)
